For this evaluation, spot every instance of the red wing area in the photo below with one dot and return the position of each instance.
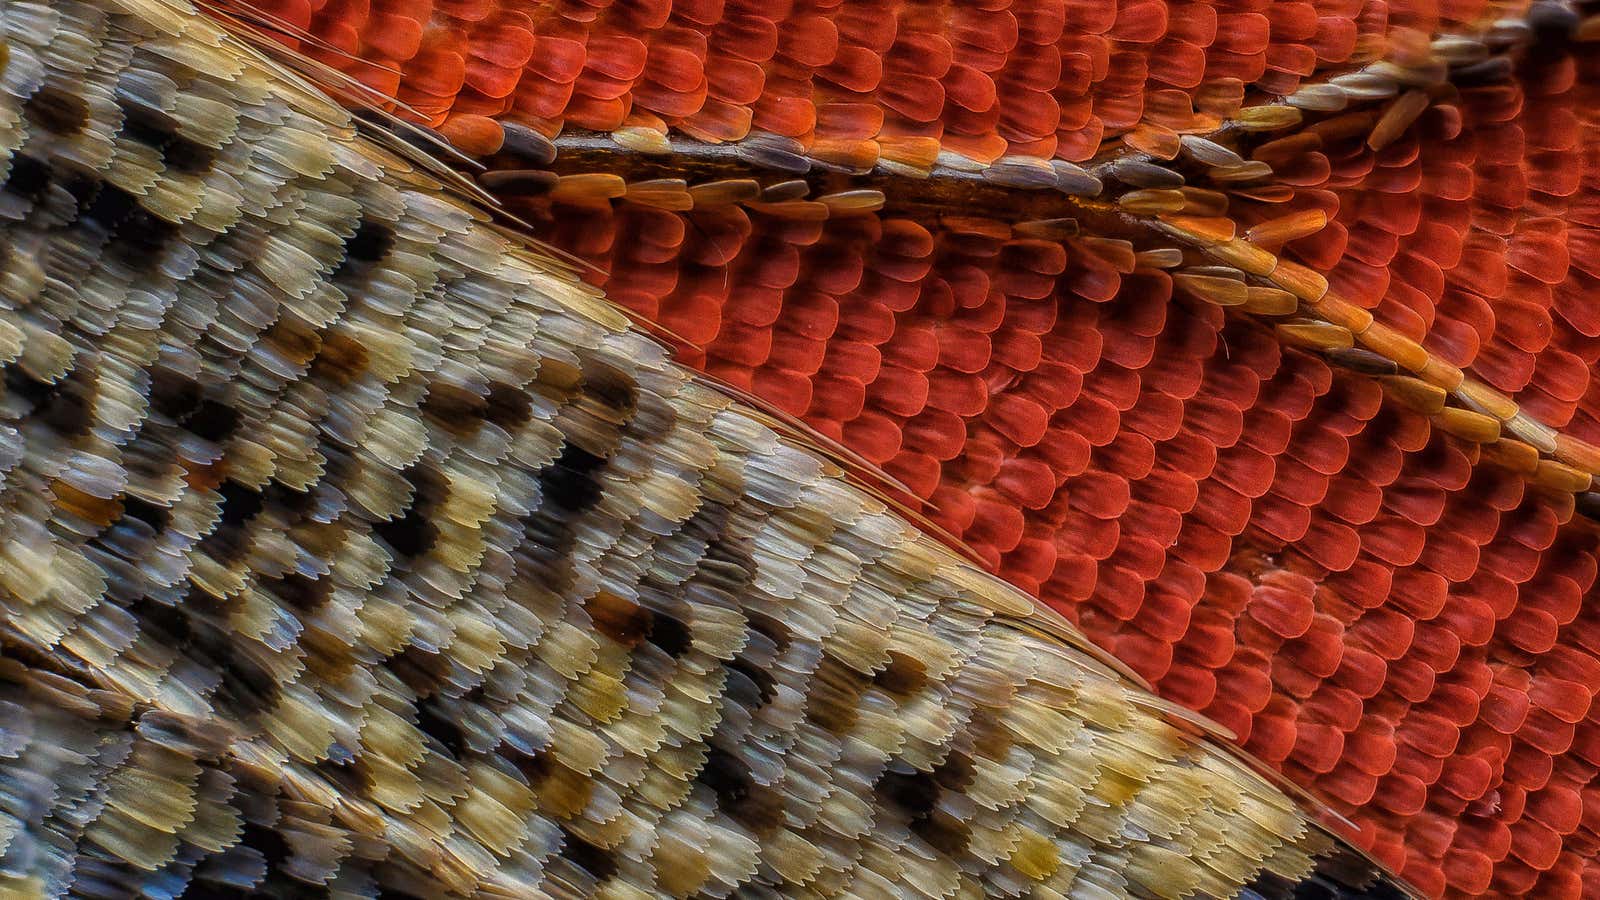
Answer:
(1398, 618)
(854, 80)
(1387, 618)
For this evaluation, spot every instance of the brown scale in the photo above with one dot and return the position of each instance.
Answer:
(354, 546)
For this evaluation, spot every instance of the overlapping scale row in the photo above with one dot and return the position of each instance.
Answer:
(855, 82)
(353, 547)
(1263, 535)
(1386, 613)
(1469, 233)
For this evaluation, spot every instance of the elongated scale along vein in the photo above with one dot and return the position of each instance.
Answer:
(349, 544)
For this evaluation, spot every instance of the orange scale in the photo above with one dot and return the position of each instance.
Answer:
(914, 346)
(1292, 21)
(955, 393)
(1566, 880)
(1414, 501)
(967, 350)
(998, 524)
(1318, 651)
(1246, 471)
(1560, 381)
(1156, 522)
(587, 111)
(897, 390)
(615, 59)
(1386, 633)
(1436, 646)
(1114, 384)
(1021, 420)
(393, 37)
(840, 398)
(1083, 533)
(1568, 663)
(1534, 527)
(674, 105)
(854, 69)
(1031, 71)
(1120, 111)
(1469, 864)
(492, 81)
(1157, 416)
(874, 436)
(1366, 584)
(808, 41)
(1320, 450)
(1079, 142)
(1394, 540)
(1543, 735)
(469, 10)
(1425, 875)
(676, 67)
(1554, 174)
(542, 100)
(1532, 630)
(1071, 582)
(1222, 508)
(1150, 657)
(1380, 462)
(1273, 734)
(1372, 747)
(990, 33)
(742, 344)
(1566, 701)
(1193, 686)
(1335, 38)
(1539, 249)
(1408, 310)
(1243, 33)
(752, 38)
(1224, 63)
(435, 72)
(796, 352)
(789, 391)
(1098, 494)
(1209, 642)
(1188, 455)
(1513, 560)
(1317, 747)
(1213, 420)
(1536, 845)
(556, 58)
(1412, 681)
(734, 81)
(1348, 785)
(928, 54)
(1287, 56)
(1501, 186)
(1362, 672)
(1358, 283)
(782, 114)
(1131, 456)
(1282, 519)
(969, 88)
(954, 508)
(1323, 250)
(1029, 482)
(1471, 619)
(1499, 593)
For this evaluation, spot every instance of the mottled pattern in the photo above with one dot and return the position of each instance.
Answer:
(1340, 519)
(347, 543)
